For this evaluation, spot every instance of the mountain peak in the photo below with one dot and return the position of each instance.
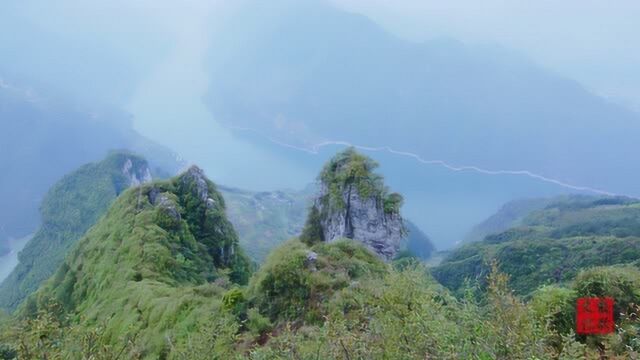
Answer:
(172, 232)
(195, 178)
(137, 175)
(354, 203)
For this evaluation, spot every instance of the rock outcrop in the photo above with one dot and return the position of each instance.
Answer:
(353, 203)
(136, 171)
(363, 219)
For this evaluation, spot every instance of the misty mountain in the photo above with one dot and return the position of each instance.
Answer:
(306, 72)
(102, 63)
(73, 205)
(44, 136)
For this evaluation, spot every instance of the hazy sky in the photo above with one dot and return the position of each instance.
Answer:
(594, 41)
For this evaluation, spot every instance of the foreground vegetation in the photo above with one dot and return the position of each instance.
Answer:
(345, 304)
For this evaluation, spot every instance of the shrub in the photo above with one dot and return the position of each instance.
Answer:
(622, 283)
(312, 232)
(233, 299)
(256, 323)
(289, 286)
(554, 305)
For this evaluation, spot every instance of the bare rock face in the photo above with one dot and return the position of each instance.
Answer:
(365, 220)
(137, 172)
(353, 203)
(196, 176)
(162, 201)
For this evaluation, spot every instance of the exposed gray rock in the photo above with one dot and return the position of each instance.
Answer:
(312, 256)
(364, 220)
(161, 200)
(196, 176)
(137, 175)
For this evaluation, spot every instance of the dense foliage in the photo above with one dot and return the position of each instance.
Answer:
(344, 305)
(552, 245)
(69, 209)
(153, 269)
(350, 169)
(162, 276)
(296, 281)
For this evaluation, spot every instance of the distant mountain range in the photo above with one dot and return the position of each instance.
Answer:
(276, 70)
(279, 69)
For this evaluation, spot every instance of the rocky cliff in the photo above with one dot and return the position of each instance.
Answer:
(354, 203)
(264, 220)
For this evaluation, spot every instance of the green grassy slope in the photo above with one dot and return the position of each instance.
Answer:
(162, 276)
(148, 266)
(263, 221)
(70, 207)
(553, 244)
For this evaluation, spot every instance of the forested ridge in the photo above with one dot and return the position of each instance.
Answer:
(163, 276)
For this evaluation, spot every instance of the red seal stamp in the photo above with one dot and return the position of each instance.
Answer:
(594, 316)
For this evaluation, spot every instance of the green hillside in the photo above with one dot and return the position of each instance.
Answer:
(69, 209)
(553, 244)
(162, 276)
(149, 267)
(330, 301)
(44, 140)
(263, 221)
